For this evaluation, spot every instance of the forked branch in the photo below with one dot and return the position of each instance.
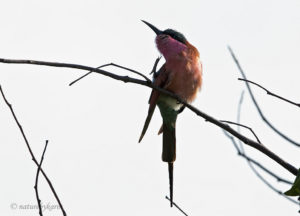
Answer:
(31, 153)
(207, 117)
(277, 131)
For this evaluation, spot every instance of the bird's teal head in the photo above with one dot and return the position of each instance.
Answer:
(169, 42)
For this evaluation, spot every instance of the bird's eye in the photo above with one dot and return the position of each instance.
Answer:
(164, 36)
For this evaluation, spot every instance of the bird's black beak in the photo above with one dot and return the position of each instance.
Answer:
(156, 30)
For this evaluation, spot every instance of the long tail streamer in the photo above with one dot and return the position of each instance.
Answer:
(170, 166)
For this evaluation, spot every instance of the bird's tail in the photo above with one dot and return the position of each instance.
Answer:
(170, 166)
(169, 153)
(169, 143)
(169, 116)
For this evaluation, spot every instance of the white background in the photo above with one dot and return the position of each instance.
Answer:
(93, 158)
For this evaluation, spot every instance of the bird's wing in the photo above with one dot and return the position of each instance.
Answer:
(162, 80)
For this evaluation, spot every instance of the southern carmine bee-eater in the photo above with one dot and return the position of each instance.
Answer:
(180, 74)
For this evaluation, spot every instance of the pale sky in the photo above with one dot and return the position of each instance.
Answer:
(93, 158)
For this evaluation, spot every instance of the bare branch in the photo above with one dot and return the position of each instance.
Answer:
(270, 93)
(177, 206)
(278, 178)
(243, 153)
(257, 106)
(270, 185)
(31, 153)
(207, 117)
(37, 180)
(115, 65)
(250, 161)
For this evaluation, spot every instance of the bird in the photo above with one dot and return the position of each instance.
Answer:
(181, 74)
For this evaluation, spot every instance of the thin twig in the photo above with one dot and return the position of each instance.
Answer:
(270, 185)
(256, 104)
(81, 77)
(278, 178)
(241, 154)
(270, 93)
(115, 65)
(37, 180)
(250, 161)
(155, 66)
(238, 117)
(244, 126)
(177, 206)
(207, 117)
(31, 153)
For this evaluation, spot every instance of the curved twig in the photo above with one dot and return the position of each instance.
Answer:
(270, 93)
(250, 161)
(37, 180)
(207, 117)
(278, 178)
(257, 106)
(241, 152)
